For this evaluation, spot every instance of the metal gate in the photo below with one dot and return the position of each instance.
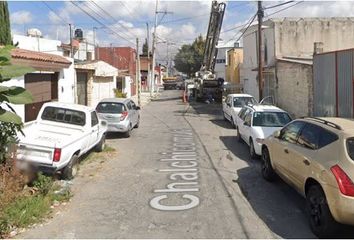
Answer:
(333, 84)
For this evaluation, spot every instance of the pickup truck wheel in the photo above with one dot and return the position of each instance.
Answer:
(101, 145)
(71, 170)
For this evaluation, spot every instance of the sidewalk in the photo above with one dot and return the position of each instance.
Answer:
(145, 98)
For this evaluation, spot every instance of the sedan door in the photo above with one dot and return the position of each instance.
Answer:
(245, 129)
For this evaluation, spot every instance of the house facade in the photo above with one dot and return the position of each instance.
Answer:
(287, 52)
(221, 61)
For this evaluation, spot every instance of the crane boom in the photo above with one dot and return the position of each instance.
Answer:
(212, 37)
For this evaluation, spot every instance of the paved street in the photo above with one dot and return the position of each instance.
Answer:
(181, 174)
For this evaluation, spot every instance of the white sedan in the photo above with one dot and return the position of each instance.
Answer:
(255, 123)
(233, 104)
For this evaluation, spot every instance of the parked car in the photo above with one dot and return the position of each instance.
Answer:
(121, 114)
(316, 157)
(58, 137)
(233, 104)
(257, 122)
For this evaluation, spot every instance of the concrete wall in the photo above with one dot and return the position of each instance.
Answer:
(295, 88)
(295, 37)
(84, 48)
(38, 44)
(249, 77)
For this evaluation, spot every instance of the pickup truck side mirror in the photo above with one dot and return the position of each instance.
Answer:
(276, 134)
(137, 108)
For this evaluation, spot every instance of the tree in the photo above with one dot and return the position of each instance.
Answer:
(10, 122)
(5, 32)
(145, 47)
(190, 57)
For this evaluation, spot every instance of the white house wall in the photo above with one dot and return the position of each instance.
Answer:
(102, 88)
(127, 86)
(66, 84)
(38, 44)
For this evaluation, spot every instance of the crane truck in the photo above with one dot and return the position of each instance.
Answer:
(206, 83)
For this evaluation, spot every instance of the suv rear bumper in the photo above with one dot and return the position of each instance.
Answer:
(341, 206)
(118, 127)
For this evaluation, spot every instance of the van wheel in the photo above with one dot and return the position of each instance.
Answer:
(267, 169)
(321, 220)
(101, 145)
(71, 170)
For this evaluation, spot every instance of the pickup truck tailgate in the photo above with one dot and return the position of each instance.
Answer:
(37, 154)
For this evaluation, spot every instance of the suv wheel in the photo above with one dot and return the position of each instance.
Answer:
(321, 220)
(252, 151)
(267, 169)
(128, 133)
(137, 123)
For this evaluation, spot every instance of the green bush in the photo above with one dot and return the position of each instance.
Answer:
(43, 183)
(119, 94)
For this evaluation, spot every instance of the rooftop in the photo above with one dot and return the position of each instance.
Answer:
(38, 56)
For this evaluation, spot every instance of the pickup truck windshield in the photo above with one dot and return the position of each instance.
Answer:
(64, 115)
(110, 107)
(270, 119)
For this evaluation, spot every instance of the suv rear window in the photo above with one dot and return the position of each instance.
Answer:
(350, 147)
(110, 107)
(64, 115)
(270, 119)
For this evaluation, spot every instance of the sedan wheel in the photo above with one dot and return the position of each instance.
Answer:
(267, 169)
(252, 151)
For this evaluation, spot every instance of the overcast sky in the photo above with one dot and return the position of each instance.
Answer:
(120, 22)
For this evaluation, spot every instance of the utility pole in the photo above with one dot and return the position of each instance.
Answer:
(153, 51)
(138, 78)
(148, 56)
(260, 67)
(71, 42)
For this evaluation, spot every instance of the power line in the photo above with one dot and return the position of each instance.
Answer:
(249, 22)
(246, 28)
(278, 5)
(51, 9)
(98, 21)
(98, 6)
(283, 9)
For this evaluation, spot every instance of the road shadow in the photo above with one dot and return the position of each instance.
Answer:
(210, 109)
(279, 206)
(222, 123)
(166, 99)
(114, 135)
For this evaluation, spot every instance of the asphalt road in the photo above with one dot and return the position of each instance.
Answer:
(182, 174)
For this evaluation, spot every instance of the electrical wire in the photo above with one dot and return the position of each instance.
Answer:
(51, 9)
(114, 20)
(283, 9)
(101, 23)
(248, 24)
(278, 5)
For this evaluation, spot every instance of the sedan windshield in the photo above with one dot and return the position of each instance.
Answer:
(242, 101)
(110, 107)
(270, 119)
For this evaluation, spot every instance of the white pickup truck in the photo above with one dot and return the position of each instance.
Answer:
(59, 136)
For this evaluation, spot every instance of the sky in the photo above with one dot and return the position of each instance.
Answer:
(119, 23)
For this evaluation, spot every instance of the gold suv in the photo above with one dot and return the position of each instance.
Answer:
(316, 157)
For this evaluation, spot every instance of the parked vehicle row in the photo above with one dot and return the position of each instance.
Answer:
(313, 155)
(62, 133)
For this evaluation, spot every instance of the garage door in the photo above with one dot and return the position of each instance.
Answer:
(44, 88)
